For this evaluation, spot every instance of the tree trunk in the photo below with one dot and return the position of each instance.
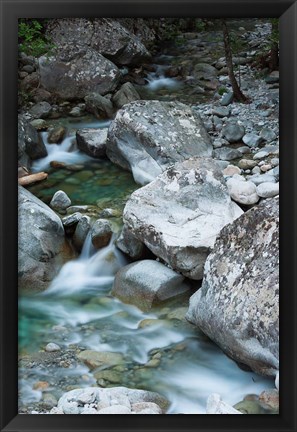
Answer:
(238, 95)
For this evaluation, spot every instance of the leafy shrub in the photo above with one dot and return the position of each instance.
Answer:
(32, 40)
(222, 90)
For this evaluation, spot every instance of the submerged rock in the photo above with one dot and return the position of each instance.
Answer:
(179, 214)
(146, 283)
(237, 305)
(95, 359)
(42, 245)
(146, 137)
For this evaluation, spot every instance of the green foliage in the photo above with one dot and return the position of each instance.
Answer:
(237, 43)
(274, 36)
(200, 25)
(222, 90)
(32, 40)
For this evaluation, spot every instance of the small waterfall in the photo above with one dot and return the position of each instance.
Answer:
(67, 150)
(158, 81)
(78, 303)
(92, 273)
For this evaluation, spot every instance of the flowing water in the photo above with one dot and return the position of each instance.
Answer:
(160, 350)
(87, 181)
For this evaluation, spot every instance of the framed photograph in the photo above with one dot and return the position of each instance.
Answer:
(144, 236)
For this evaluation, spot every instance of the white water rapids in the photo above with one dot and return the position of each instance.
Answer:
(80, 296)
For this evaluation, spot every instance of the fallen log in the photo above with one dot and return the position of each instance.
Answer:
(32, 178)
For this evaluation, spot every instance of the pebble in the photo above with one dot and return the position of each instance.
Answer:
(221, 111)
(243, 192)
(266, 167)
(76, 112)
(268, 134)
(233, 132)
(262, 178)
(52, 347)
(268, 190)
(252, 140)
(226, 154)
(261, 155)
(247, 164)
(270, 398)
(231, 170)
(256, 170)
(227, 99)
(39, 124)
(60, 201)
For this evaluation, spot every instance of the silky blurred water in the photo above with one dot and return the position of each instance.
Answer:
(78, 310)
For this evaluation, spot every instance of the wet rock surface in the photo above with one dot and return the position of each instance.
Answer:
(148, 136)
(118, 400)
(75, 72)
(146, 283)
(92, 141)
(237, 305)
(106, 36)
(30, 144)
(99, 340)
(42, 244)
(179, 215)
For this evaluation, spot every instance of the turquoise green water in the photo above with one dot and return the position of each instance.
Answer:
(98, 183)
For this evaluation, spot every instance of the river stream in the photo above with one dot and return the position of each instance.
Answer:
(160, 350)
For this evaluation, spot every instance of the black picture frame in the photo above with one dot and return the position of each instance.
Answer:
(10, 11)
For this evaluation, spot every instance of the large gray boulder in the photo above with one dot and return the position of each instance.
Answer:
(180, 213)
(238, 303)
(75, 71)
(42, 245)
(146, 137)
(147, 283)
(106, 36)
(30, 144)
